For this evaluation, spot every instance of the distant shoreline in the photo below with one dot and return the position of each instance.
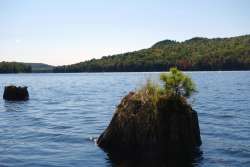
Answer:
(196, 54)
(127, 72)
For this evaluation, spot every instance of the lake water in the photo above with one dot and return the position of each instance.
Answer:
(67, 112)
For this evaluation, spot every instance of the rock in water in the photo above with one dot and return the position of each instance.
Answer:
(14, 93)
(169, 128)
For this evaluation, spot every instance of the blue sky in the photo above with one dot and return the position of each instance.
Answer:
(68, 31)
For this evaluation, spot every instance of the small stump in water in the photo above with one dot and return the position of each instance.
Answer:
(168, 129)
(14, 93)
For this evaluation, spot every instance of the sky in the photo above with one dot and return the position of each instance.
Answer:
(60, 32)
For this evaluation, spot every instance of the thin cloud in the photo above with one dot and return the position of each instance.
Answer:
(18, 41)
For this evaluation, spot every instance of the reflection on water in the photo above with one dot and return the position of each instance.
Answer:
(15, 106)
(152, 160)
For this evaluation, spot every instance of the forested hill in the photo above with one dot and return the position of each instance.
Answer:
(18, 67)
(40, 67)
(14, 67)
(194, 54)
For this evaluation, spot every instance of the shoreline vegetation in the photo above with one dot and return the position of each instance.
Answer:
(155, 122)
(19, 67)
(196, 54)
(14, 67)
(191, 55)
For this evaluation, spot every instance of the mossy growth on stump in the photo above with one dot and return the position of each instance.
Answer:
(155, 119)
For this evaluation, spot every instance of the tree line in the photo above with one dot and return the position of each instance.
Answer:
(14, 67)
(194, 54)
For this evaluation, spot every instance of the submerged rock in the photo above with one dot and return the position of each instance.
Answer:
(14, 93)
(169, 128)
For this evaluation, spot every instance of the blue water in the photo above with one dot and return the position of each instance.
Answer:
(67, 112)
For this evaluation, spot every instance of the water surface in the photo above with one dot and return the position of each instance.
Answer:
(67, 112)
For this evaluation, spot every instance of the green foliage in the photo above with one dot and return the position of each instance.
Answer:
(150, 92)
(14, 67)
(172, 96)
(194, 54)
(40, 67)
(177, 83)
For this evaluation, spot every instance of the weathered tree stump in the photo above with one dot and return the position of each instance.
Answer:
(14, 93)
(172, 130)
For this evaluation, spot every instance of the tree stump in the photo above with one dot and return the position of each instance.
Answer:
(170, 131)
(14, 93)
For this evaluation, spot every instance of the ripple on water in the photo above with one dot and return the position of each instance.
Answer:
(66, 113)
